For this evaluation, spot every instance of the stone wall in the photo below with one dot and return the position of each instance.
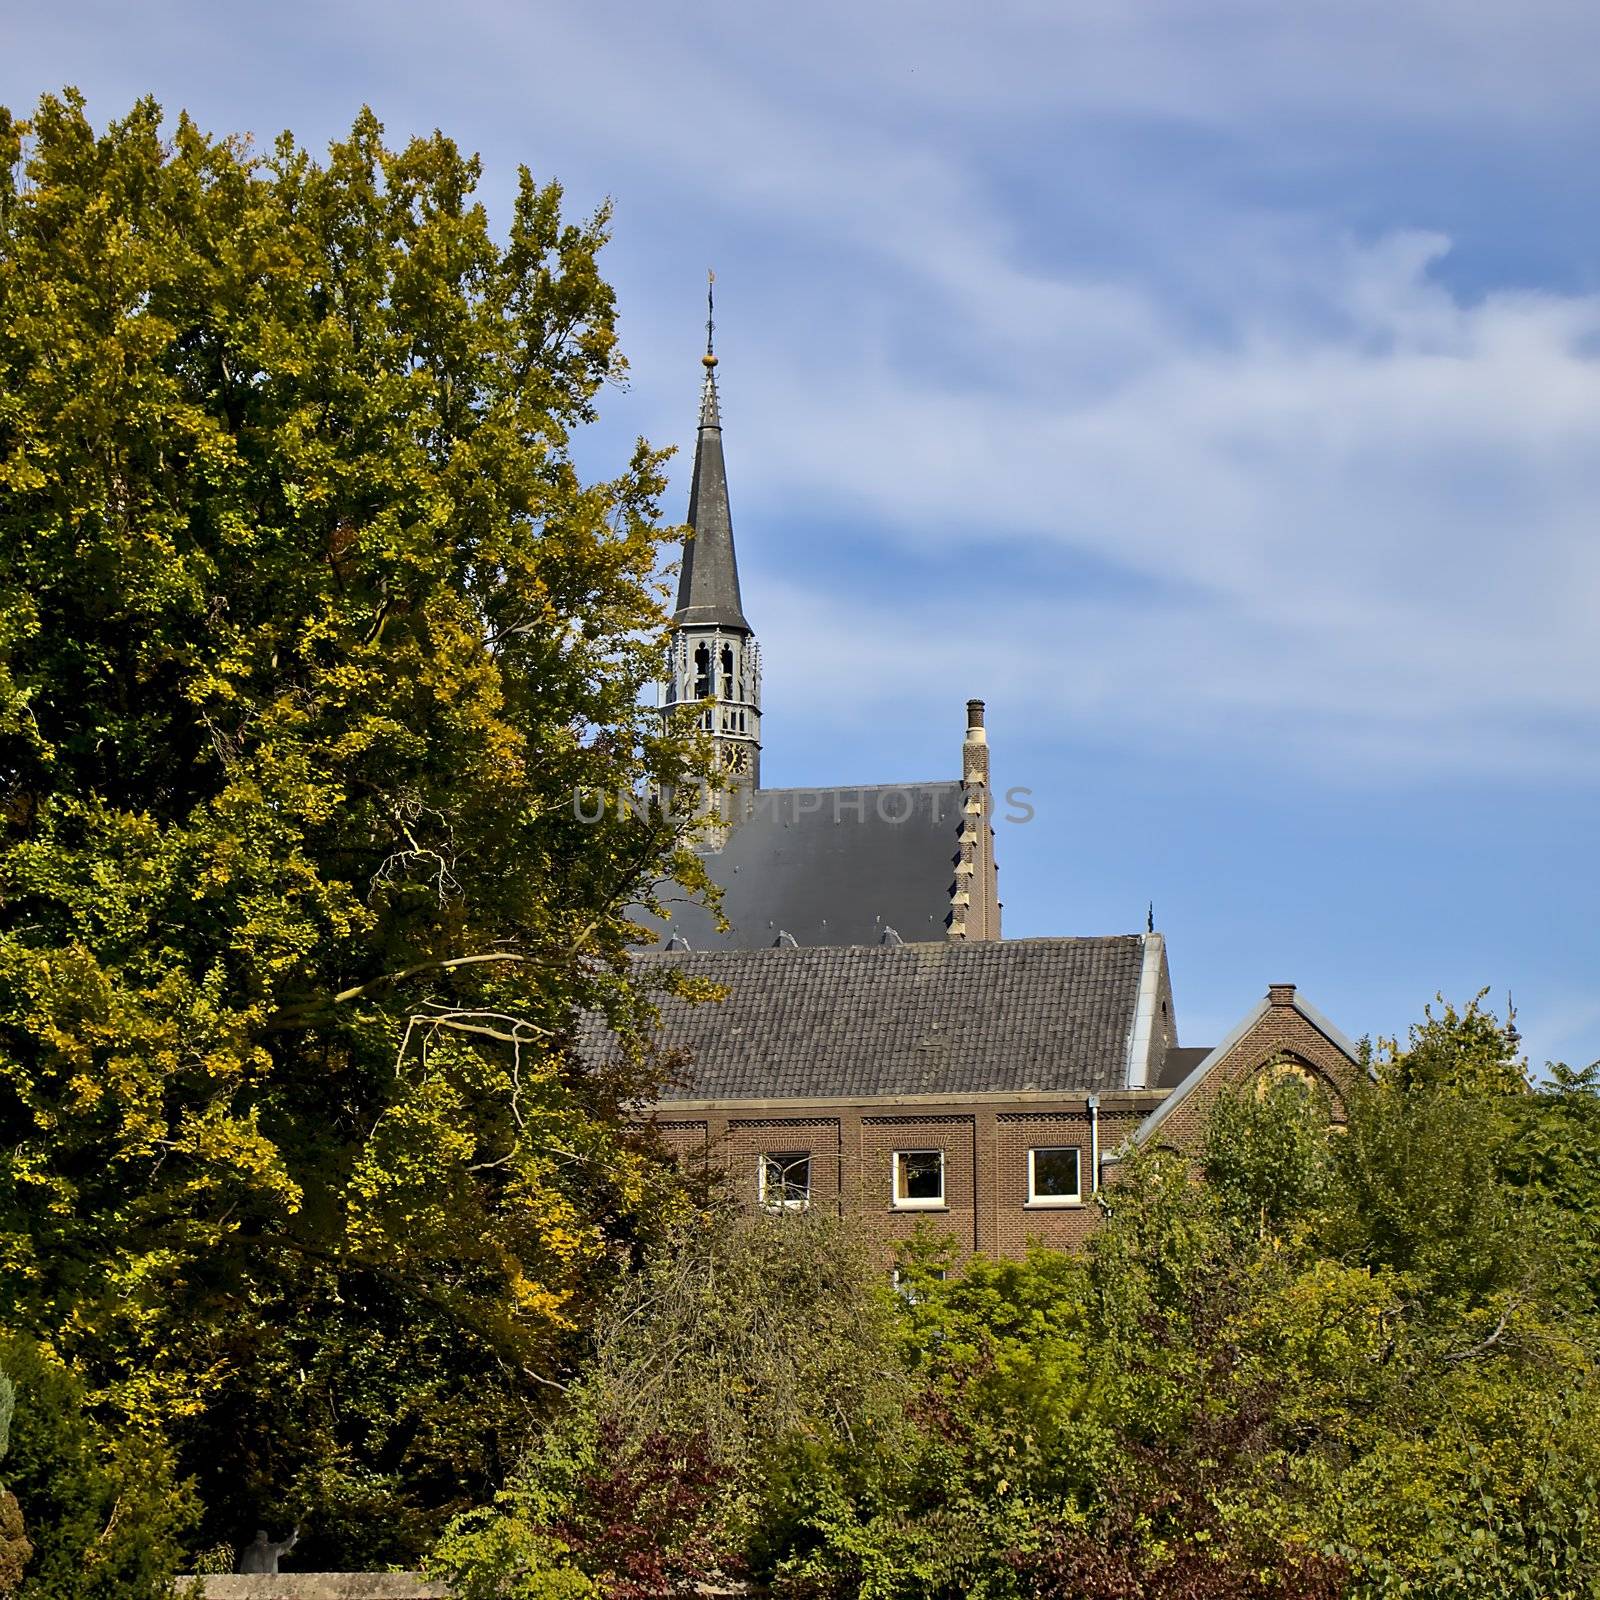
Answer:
(314, 1586)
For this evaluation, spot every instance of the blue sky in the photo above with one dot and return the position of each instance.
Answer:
(1212, 387)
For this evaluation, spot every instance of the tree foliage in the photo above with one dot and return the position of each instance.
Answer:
(105, 1516)
(310, 632)
(15, 1545)
(739, 1343)
(1311, 1361)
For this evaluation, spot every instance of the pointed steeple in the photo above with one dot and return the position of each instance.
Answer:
(708, 585)
(714, 660)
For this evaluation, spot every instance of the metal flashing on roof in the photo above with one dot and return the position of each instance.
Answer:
(1339, 1040)
(1142, 1034)
(1197, 1074)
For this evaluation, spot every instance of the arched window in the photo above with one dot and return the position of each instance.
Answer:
(702, 672)
(1288, 1069)
(727, 673)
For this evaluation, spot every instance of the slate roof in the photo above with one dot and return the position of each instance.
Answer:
(1181, 1060)
(708, 582)
(832, 867)
(931, 1018)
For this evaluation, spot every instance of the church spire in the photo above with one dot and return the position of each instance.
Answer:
(715, 660)
(708, 586)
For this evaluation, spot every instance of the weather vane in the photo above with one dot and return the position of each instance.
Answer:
(711, 279)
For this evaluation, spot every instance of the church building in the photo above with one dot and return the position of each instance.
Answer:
(881, 1049)
(810, 867)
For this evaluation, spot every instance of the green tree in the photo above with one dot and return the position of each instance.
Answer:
(1268, 1157)
(1315, 1363)
(742, 1346)
(1553, 1156)
(103, 1509)
(15, 1546)
(1425, 1175)
(310, 633)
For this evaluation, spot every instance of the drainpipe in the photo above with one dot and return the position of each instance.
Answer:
(1094, 1144)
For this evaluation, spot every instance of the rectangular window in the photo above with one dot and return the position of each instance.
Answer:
(1053, 1177)
(918, 1180)
(783, 1180)
(903, 1286)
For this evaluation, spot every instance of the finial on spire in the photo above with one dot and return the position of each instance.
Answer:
(1150, 918)
(710, 410)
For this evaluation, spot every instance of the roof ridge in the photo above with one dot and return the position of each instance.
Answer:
(828, 788)
(1033, 941)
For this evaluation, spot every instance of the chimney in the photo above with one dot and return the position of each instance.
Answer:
(975, 897)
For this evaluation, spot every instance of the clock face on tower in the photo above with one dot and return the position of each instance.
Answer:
(735, 759)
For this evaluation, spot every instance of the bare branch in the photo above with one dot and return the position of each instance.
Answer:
(1488, 1343)
(290, 1016)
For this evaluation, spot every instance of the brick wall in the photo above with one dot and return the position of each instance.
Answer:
(749, 1138)
(955, 1135)
(985, 1139)
(1281, 1035)
(985, 1142)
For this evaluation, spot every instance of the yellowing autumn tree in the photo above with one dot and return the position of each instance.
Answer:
(309, 633)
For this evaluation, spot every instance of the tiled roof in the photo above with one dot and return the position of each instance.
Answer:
(842, 1022)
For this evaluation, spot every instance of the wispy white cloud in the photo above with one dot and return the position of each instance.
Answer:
(1341, 495)
(1383, 520)
(1208, 382)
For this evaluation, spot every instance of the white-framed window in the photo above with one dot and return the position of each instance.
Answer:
(919, 1180)
(1055, 1176)
(903, 1285)
(783, 1180)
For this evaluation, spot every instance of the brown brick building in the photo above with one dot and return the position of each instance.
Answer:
(880, 1049)
(988, 1089)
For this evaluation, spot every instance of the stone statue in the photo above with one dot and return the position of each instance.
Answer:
(261, 1554)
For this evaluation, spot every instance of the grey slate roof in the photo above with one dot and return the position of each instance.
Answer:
(1180, 1061)
(708, 583)
(1014, 1014)
(832, 867)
